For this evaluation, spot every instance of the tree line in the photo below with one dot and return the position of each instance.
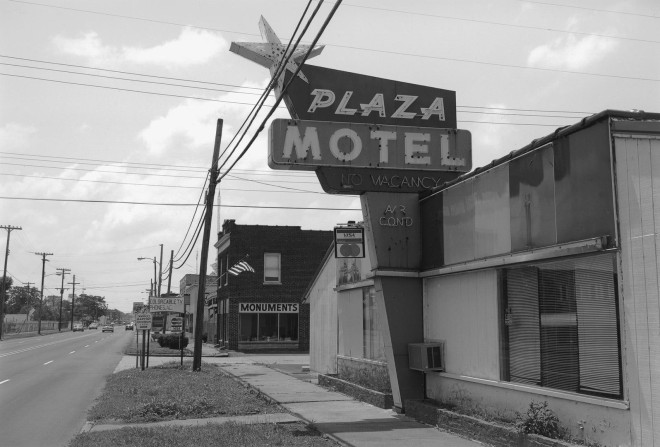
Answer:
(25, 300)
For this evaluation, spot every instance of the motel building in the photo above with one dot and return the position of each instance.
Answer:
(531, 279)
(538, 282)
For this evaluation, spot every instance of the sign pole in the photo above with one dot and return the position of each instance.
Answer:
(137, 347)
(183, 330)
(144, 334)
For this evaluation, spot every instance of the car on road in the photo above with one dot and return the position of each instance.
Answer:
(93, 326)
(78, 327)
(129, 326)
(108, 328)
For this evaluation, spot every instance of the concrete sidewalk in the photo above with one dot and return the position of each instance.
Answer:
(341, 417)
(346, 420)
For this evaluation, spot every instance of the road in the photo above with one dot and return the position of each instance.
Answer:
(47, 384)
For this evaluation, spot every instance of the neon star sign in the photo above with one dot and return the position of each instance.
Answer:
(270, 54)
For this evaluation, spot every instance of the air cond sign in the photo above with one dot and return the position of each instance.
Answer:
(306, 145)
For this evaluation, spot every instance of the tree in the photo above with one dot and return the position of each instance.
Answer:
(89, 307)
(7, 283)
(22, 299)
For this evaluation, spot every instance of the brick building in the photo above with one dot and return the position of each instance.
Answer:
(264, 309)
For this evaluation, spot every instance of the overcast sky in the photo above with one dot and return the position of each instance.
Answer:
(117, 102)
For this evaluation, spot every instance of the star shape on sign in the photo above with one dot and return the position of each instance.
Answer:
(270, 54)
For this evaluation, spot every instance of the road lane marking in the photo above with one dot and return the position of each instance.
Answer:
(4, 381)
(87, 346)
(48, 362)
(72, 352)
(19, 351)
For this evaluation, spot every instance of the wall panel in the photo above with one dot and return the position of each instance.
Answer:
(462, 311)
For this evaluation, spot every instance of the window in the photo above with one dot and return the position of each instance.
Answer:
(268, 327)
(561, 327)
(272, 268)
(372, 341)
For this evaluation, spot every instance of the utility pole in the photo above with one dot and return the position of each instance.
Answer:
(73, 298)
(160, 269)
(3, 287)
(27, 299)
(43, 275)
(169, 277)
(62, 273)
(208, 223)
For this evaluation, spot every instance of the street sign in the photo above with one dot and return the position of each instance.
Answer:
(143, 321)
(137, 306)
(166, 304)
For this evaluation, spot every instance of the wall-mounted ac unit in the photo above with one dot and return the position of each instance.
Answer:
(426, 356)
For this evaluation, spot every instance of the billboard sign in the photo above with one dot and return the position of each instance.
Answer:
(166, 304)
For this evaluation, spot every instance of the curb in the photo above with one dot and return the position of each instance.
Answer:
(265, 418)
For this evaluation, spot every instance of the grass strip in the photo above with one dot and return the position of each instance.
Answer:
(171, 391)
(217, 435)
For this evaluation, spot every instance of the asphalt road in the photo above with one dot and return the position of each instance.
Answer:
(48, 382)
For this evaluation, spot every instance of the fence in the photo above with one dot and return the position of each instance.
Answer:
(23, 327)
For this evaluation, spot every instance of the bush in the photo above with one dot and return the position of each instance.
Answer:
(172, 341)
(539, 420)
(205, 338)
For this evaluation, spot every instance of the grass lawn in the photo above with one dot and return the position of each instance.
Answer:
(231, 434)
(172, 391)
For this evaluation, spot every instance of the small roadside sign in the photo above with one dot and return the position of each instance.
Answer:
(176, 321)
(143, 321)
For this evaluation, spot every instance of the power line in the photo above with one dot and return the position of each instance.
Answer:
(495, 64)
(128, 79)
(199, 98)
(486, 22)
(87, 67)
(608, 11)
(291, 190)
(508, 25)
(119, 202)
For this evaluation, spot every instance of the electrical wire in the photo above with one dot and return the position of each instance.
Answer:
(281, 67)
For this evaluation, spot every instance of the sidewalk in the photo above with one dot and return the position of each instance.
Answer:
(346, 420)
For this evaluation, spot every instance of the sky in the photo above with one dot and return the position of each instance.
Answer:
(108, 112)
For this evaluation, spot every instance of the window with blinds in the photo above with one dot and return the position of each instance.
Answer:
(561, 327)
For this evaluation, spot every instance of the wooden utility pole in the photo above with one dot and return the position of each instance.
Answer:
(73, 297)
(62, 273)
(169, 277)
(3, 287)
(43, 275)
(210, 195)
(160, 269)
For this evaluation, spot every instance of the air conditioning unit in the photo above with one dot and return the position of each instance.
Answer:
(426, 356)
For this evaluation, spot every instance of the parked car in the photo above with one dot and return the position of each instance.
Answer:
(129, 327)
(108, 328)
(93, 326)
(78, 327)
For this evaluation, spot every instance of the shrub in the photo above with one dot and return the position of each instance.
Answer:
(539, 420)
(205, 338)
(172, 341)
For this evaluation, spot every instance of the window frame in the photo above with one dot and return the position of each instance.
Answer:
(508, 316)
(277, 256)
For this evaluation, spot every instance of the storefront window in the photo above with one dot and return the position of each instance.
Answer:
(269, 327)
(561, 326)
(249, 326)
(288, 327)
(371, 336)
